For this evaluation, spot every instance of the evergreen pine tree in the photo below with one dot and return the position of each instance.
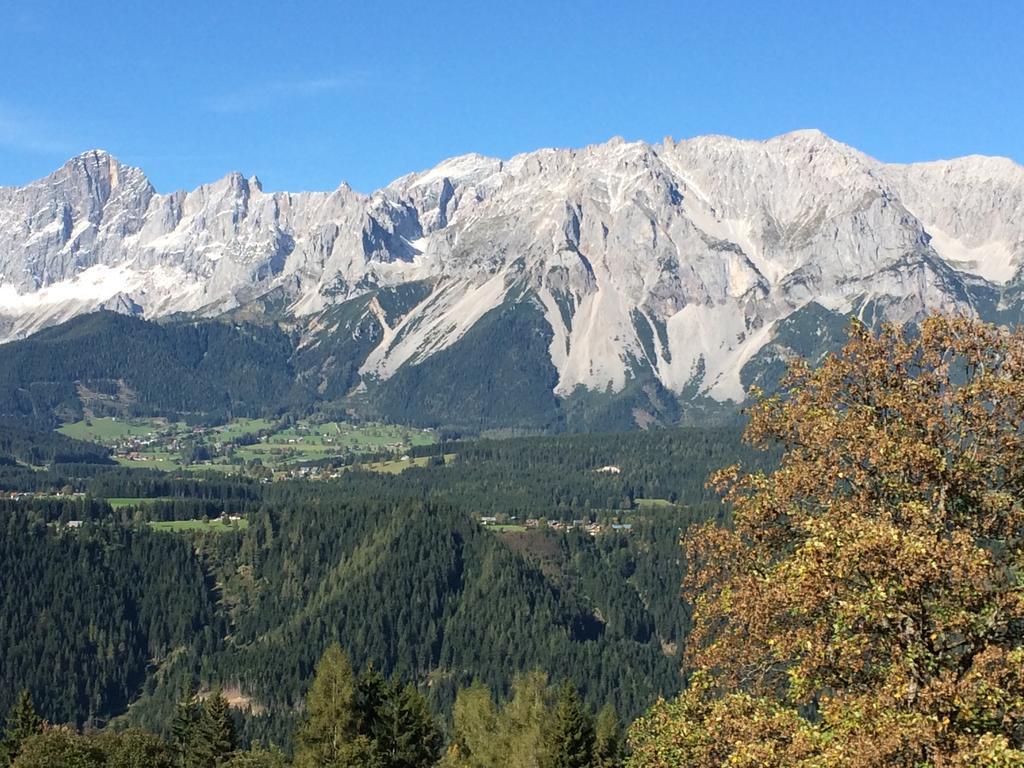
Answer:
(521, 722)
(409, 736)
(183, 727)
(372, 694)
(215, 740)
(569, 737)
(22, 722)
(607, 739)
(329, 737)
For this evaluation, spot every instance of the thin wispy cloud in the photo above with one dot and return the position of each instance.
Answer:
(24, 133)
(273, 93)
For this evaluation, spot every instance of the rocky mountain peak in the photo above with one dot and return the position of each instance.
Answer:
(95, 175)
(678, 261)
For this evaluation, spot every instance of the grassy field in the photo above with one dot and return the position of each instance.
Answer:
(358, 437)
(165, 460)
(653, 503)
(119, 503)
(506, 528)
(109, 430)
(305, 441)
(238, 427)
(394, 466)
(314, 442)
(203, 526)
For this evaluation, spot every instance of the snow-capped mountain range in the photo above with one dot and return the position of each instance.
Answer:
(681, 259)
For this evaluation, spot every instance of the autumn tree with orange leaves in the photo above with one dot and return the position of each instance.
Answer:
(866, 606)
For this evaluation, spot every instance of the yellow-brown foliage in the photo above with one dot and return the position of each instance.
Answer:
(874, 582)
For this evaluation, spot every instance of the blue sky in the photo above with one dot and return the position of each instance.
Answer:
(308, 94)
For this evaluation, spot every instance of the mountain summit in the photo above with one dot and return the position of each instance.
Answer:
(689, 265)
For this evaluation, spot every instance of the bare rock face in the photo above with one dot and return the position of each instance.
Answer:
(679, 260)
(74, 219)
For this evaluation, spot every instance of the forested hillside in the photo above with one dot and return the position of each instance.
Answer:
(397, 568)
(483, 381)
(206, 371)
(126, 366)
(21, 441)
(86, 610)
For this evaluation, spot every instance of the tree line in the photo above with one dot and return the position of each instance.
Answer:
(347, 721)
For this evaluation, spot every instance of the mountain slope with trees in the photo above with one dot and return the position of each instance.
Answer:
(398, 568)
(127, 366)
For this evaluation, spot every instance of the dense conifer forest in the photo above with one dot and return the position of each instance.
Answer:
(398, 569)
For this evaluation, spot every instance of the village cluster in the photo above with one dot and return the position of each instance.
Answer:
(263, 447)
(532, 523)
